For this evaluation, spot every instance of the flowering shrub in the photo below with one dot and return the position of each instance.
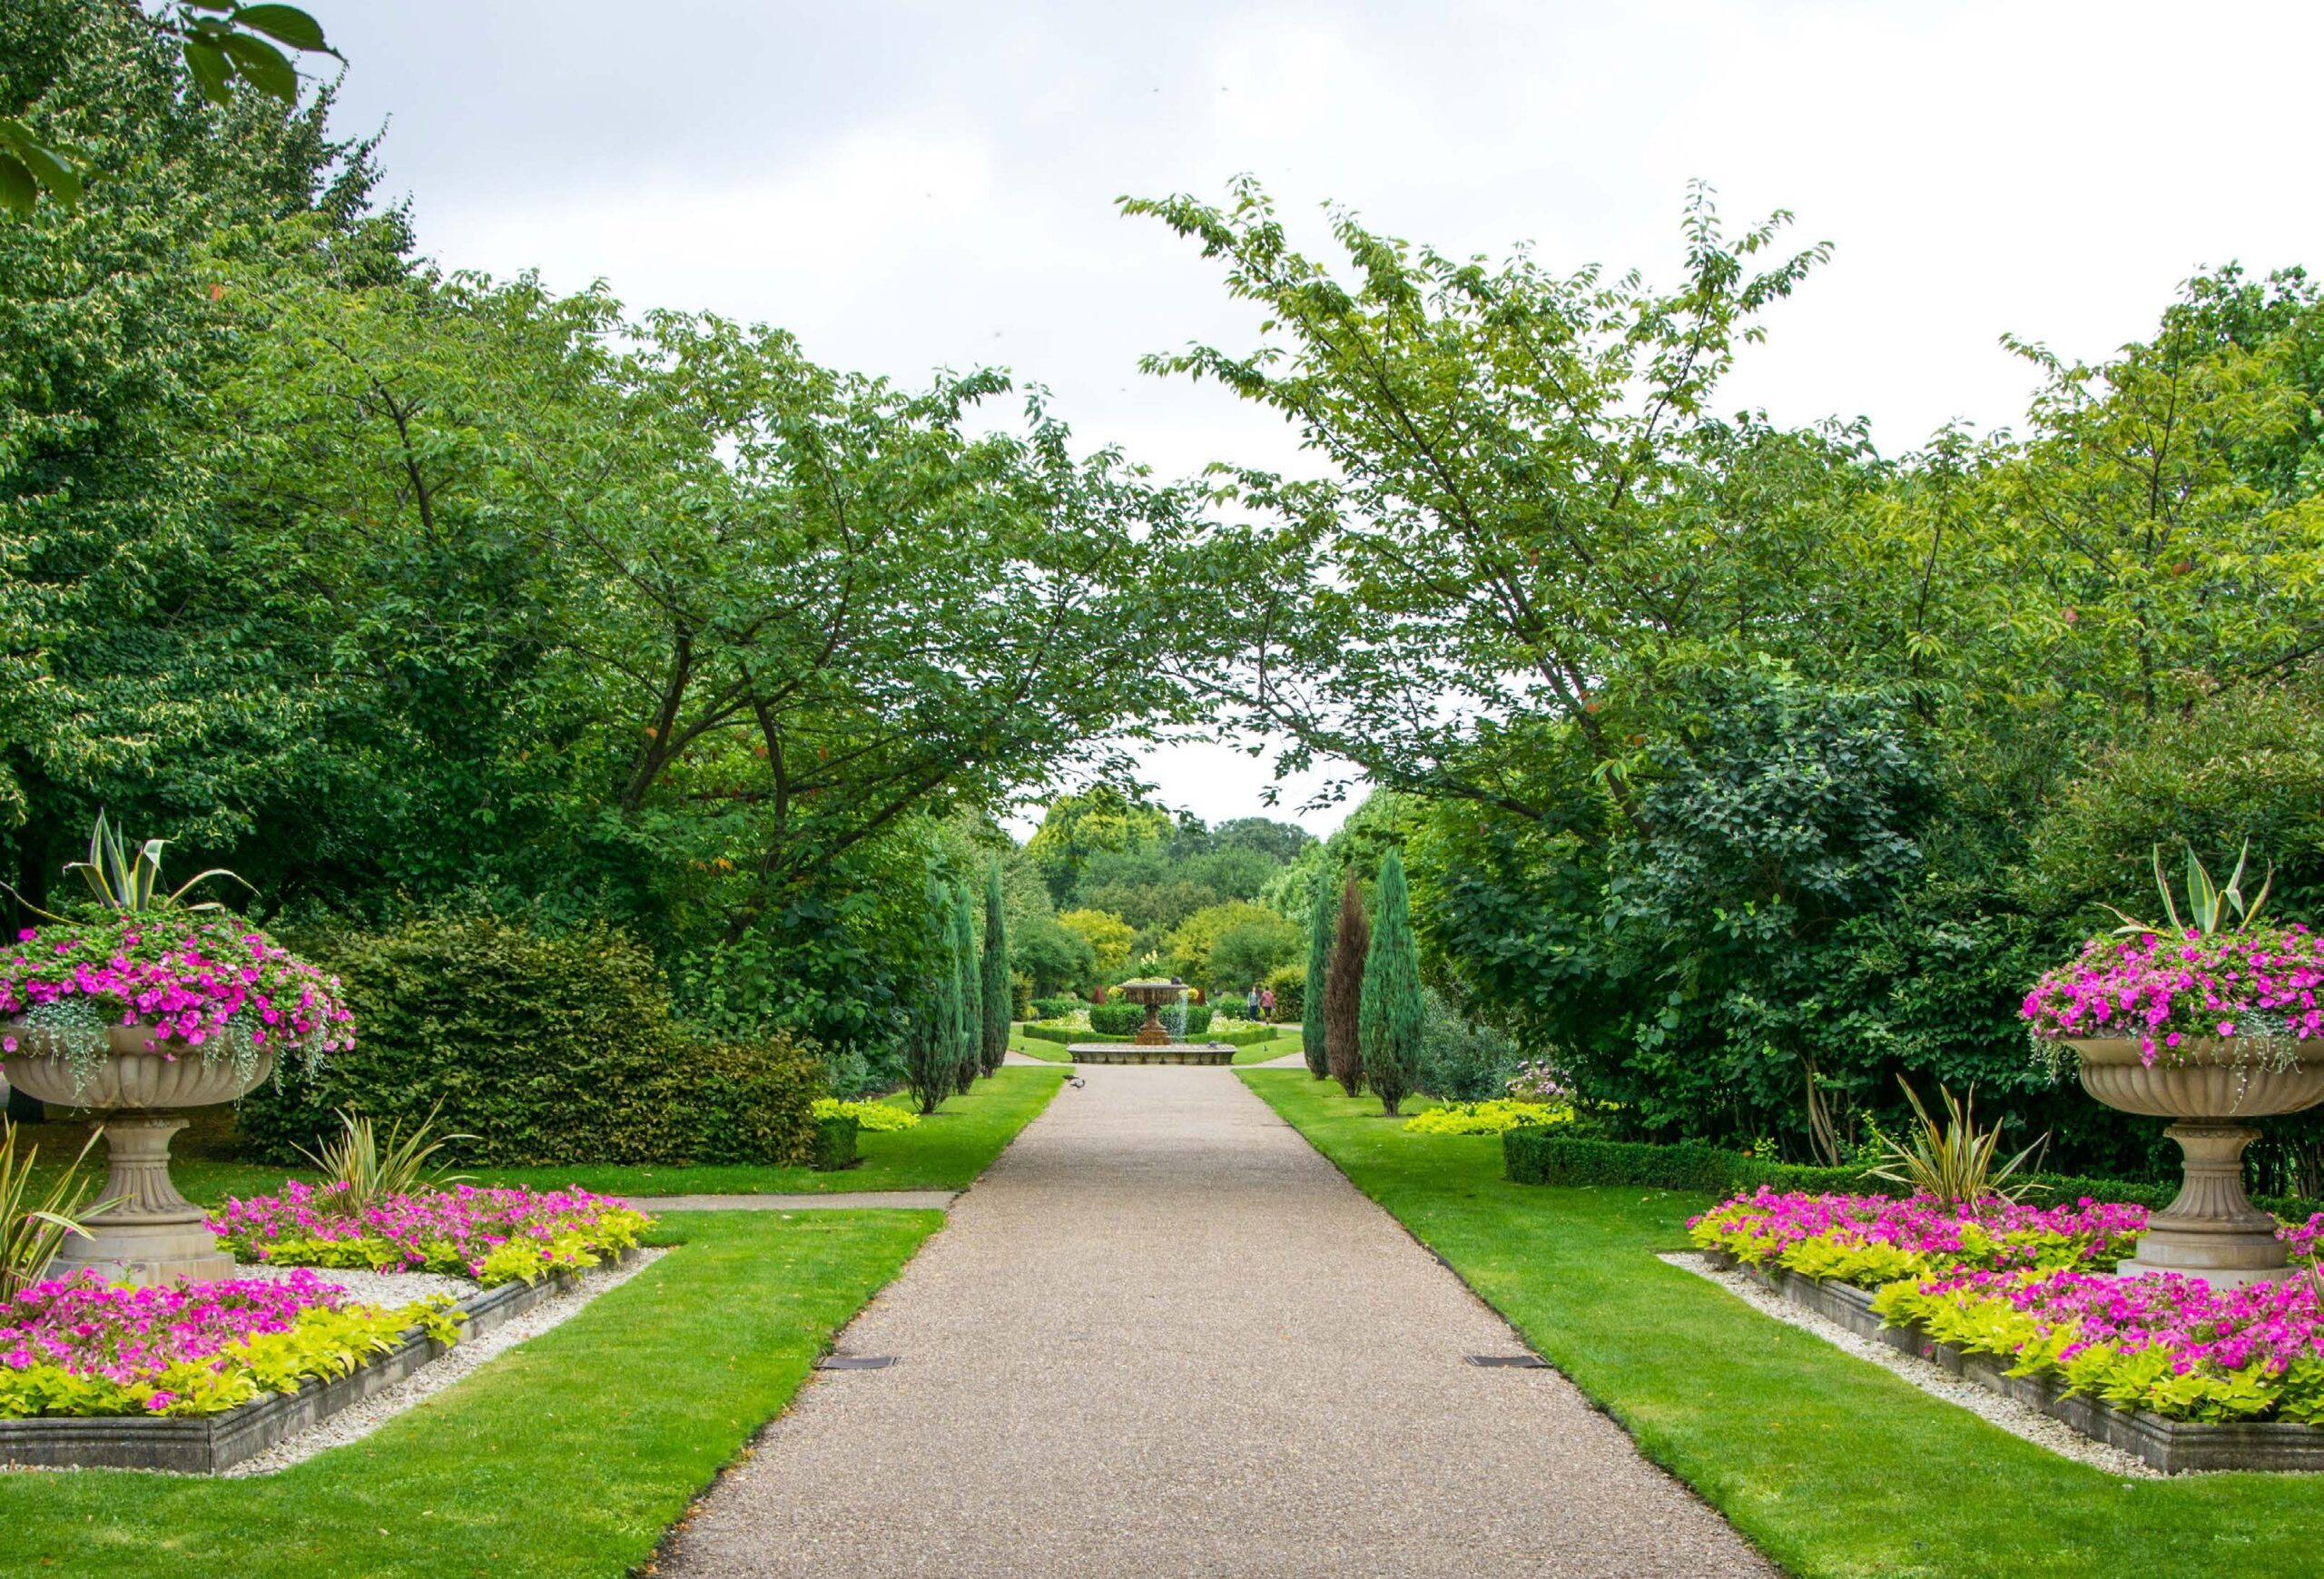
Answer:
(207, 982)
(2255, 988)
(83, 1347)
(493, 1236)
(1871, 1240)
(2168, 1344)
(1536, 1081)
(1487, 1118)
(873, 1118)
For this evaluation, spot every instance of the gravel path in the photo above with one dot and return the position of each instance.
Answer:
(1164, 1337)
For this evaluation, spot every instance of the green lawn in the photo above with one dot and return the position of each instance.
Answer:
(568, 1455)
(1831, 1464)
(946, 1150)
(1287, 1039)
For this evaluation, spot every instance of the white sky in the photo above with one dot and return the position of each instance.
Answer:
(913, 185)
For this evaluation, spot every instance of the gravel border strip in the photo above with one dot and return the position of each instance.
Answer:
(2020, 1420)
(360, 1420)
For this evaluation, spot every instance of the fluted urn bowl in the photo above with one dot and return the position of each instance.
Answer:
(144, 1231)
(2211, 1230)
(1153, 994)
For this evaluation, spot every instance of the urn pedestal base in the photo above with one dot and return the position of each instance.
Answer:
(2211, 1230)
(144, 1231)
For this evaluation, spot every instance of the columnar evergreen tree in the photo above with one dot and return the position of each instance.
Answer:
(931, 1035)
(1313, 1042)
(967, 1023)
(1390, 1017)
(1344, 992)
(994, 988)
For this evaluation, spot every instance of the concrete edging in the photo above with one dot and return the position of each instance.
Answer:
(2172, 1447)
(1209, 1053)
(206, 1444)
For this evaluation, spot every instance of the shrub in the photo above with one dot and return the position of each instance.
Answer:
(872, 1117)
(1389, 1017)
(1344, 994)
(1289, 985)
(1056, 1008)
(1233, 1008)
(545, 1049)
(1496, 1116)
(1461, 1062)
(1197, 1021)
(1315, 1043)
(1117, 1019)
(835, 1135)
(994, 996)
(967, 1035)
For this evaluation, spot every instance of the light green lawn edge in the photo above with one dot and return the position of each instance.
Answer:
(1834, 1467)
(569, 1455)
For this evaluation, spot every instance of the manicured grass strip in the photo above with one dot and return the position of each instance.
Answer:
(1831, 1464)
(568, 1455)
(944, 1152)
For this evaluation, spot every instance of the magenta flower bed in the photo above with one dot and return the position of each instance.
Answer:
(185, 977)
(84, 1347)
(2161, 991)
(1871, 1240)
(2170, 1345)
(491, 1235)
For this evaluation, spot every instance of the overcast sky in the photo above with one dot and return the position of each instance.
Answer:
(907, 186)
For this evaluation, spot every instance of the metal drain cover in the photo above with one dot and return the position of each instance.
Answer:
(1522, 1362)
(855, 1362)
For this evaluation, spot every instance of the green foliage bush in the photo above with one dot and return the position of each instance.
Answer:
(1056, 1008)
(547, 1049)
(1289, 985)
(834, 1145)
(1461, 1061)
(1117, 1019)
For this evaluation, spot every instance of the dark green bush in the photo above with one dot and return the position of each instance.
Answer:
(835, 1139)
(547, 1050)
(1117, 1019)
(1198, 1018)
(1538, 1156)
(1054, 1008)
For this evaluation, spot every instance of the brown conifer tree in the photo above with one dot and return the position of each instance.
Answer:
(1344, 992)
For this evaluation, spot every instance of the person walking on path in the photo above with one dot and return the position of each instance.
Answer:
(1251, 1002)
(1266, 1004)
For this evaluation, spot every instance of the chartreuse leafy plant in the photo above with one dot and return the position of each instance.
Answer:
(873, 1118)
(82, 1347)
(1493, 1116)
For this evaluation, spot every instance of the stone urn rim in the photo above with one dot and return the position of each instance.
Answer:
(132, 1074)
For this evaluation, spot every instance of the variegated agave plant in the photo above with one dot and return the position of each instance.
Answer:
(2209, 904)
(122, 882)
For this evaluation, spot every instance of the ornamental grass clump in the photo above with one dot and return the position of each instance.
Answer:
(2174, 1346)
(1868, 1241)
(82, 1347)
(494, 1236)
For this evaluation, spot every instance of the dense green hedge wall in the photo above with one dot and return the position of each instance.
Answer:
(1054, 1008)
(547, 1050)
(1117, 1019)
(1535, 1156)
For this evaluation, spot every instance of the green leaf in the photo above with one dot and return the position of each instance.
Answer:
(52, 169)
(17, 190)
(286, 22)
(263, 66)
(213, 73)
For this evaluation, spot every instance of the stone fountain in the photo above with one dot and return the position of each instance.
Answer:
(1154, 1044)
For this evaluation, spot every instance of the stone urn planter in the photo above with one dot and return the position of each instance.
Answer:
(2212, 1231)
(145, 1232)
(1153, 996)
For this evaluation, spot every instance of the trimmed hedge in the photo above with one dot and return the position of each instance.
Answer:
(1117, 1019)
(1243, 1036)
(835, 1139)
(549, 1050)
(1533, 1155)
(1054, 1008)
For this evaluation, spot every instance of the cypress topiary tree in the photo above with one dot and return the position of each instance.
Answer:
(931, 1035)
(993, 990)
(968, 1025)
(1311, 1042)
(1390, 1017)
(1344, 993)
